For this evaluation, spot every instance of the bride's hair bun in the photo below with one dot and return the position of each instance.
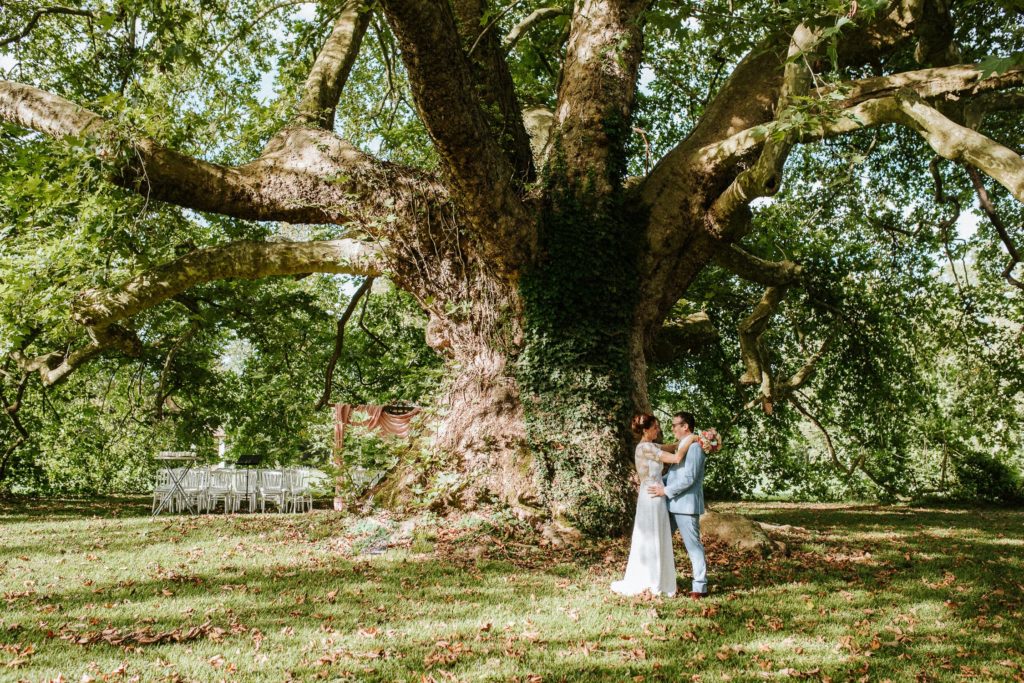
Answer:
(642, 422)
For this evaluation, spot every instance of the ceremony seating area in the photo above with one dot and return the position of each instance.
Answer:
(204, 489)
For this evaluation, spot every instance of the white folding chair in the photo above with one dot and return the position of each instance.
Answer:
(299, 494)
(163, 489)
(219, 489)
(271, 488)
(243, 487)
(194, 486)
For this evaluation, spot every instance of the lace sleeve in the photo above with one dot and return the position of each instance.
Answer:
(648, 451)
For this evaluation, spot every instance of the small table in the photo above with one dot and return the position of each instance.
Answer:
(188, 458)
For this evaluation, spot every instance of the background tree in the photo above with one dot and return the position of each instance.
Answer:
(498, 164)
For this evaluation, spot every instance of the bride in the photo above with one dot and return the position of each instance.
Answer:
(651, 566)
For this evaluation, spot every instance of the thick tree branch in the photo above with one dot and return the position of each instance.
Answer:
(864, 99)
(55, 367)
(679, 337)
(755, 360)
(330, 71)
(535, 17)
(304, 175)
(339, 341)
(755, 269)
(97, 309)
(764, 177)
(598, 87)
(952, 141)
(481, 177)
(494, 86)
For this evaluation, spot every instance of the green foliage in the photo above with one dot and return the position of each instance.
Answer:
(981, 477)
(924, 354)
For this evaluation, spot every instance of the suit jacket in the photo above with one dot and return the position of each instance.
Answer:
(684, 483)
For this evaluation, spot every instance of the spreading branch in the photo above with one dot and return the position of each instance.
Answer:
(322, 89)
(535, 17)
(97, 309)
(339, 341)
(55, 367)
(304, 175)
(682, 336)
(755, 269)
(764, 177)
(865, 105)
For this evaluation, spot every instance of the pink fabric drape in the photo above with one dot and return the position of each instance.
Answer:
(378, 418)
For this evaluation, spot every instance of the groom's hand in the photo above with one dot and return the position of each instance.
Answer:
(656, 490)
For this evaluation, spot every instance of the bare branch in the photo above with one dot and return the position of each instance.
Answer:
(756, 269)
(239, 260)
(535, 17)
(333, 64)
(339, 341)
(997, 223)
(39, 14)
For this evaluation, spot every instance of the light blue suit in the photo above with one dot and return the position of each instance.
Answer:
(684, 493)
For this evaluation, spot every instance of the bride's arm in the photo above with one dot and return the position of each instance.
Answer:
(673, 458)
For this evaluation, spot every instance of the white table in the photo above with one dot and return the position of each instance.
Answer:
(187, 458)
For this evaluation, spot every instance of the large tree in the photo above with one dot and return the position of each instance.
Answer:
(550, 254)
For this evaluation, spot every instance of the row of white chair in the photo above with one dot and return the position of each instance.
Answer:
(203, 488)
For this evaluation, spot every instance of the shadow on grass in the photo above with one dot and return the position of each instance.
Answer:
(859, 582)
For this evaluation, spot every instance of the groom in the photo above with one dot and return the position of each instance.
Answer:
(684, 491)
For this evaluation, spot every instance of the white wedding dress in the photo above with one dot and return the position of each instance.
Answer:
(651, 565)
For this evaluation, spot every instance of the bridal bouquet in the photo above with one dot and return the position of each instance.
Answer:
(710, 441)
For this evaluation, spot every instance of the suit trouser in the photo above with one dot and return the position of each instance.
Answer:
(689, 529)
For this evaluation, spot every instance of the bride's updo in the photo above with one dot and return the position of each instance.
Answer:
(642, 423)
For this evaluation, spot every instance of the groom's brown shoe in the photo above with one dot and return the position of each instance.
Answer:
(697, 596)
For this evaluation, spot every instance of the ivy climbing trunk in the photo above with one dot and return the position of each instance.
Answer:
(546, 371)
(577, 372)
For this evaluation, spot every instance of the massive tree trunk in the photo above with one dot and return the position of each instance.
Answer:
(545, 371)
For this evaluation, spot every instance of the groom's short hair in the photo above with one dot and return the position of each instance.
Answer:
(688, 419)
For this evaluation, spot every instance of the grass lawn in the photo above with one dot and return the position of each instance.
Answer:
(100, 591)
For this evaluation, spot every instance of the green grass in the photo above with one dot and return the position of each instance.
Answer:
(865, 592)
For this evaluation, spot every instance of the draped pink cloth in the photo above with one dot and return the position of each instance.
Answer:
(379, 419)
